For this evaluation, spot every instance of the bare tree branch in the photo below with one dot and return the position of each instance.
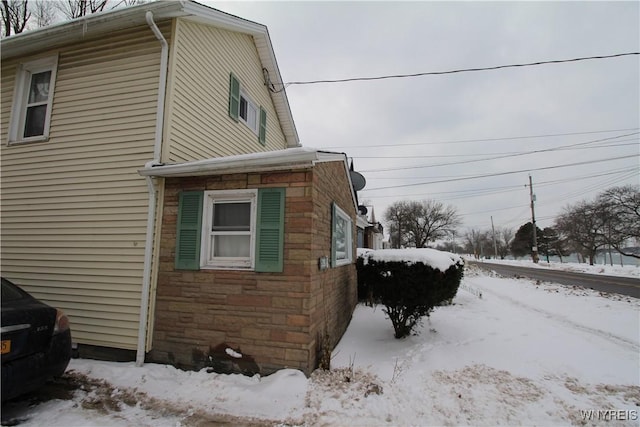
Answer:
(15, 16)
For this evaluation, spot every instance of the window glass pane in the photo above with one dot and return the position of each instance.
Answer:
(243, 108)
(341, 238)
(231, 216)
(252, 116)
(39, 89)
(34, 121)
(231, 246)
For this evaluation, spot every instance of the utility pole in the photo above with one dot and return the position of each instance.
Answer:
(495, 246)
(534, 249)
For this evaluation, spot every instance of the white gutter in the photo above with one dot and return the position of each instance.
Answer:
(151, 212)
(277, 159)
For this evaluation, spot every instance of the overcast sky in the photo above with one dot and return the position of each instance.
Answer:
(415, 138)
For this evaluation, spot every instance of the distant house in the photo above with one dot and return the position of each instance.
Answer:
(153, 187)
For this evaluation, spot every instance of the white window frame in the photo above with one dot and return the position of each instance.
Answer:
(348, 259)
(252, 120)
(21, 98)
(207, 261)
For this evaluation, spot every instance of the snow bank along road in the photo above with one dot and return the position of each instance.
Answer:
(617, 284)
(522, 354)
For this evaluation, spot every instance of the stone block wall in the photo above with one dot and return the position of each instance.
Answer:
(272, 319)
(333, 291)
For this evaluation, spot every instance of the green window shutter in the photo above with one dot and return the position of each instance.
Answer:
(270, 230)
(234, 97)
(189, 230)
(333, 235)
(263, 126)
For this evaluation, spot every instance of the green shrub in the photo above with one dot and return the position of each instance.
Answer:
(408, 290)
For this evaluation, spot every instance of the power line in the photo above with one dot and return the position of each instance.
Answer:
(462, 70)
(502, 156)
(572, 195)
(463, 141)
(483, 192)
(507, 173)
(435, 156)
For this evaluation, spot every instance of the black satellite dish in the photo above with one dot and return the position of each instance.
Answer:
(362, 209)
(357, 180)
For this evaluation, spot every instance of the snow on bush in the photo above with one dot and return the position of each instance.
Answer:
(408, 282)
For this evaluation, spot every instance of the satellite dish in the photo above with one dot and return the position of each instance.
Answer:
(357, 180)
(363, 210)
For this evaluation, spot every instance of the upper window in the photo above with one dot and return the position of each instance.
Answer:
(341, 238)
(248, 112)
(32, 100)
(229, 229)
(242, 108)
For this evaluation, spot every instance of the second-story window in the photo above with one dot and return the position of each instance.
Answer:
(243, 109)
(32, 101)
(248, 112)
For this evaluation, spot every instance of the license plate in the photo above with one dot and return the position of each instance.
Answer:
(6, 346)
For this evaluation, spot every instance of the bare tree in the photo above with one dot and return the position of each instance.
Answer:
(15, 15)
(584, 225)
(44, 12)
(77, 8)
(415, 224)
(395, 216)
(622, 205)
(476, 242)
(504, 236)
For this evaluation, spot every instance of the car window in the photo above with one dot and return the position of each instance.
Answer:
(10, 292)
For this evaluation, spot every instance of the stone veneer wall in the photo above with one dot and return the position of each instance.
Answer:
(334, 293)
(273, 319)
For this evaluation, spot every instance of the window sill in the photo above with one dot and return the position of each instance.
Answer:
(226, 267)
(32, 140)
(340, 263)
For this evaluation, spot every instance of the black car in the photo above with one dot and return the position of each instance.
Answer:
(36, 342)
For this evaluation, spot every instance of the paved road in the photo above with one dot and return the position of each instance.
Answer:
(612, 284)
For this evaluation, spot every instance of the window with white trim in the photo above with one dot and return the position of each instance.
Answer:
(229, 227)
(243, 109)
(32, 100)
(342, 238)
(248, 112)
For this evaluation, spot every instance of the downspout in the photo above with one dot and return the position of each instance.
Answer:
(151, 213)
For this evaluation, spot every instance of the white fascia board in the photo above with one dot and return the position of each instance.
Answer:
(361, 222)
(270, 160)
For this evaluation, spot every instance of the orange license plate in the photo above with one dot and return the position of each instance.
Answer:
(6, 346)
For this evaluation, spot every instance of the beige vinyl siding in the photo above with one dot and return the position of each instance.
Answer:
(199, 125)
(74, 209)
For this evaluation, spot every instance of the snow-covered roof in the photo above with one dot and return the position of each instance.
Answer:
(101, 23)
(291, 158)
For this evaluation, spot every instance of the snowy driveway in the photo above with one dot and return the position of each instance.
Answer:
(522, 354)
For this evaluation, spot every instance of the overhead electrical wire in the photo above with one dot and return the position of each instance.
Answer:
(464, 141)
(501, 156)
(503, 153)
(483, 192)
(506, 173)
(456, 71)
(571, 195)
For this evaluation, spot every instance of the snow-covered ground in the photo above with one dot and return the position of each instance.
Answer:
(523, 354)
(607, 269)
